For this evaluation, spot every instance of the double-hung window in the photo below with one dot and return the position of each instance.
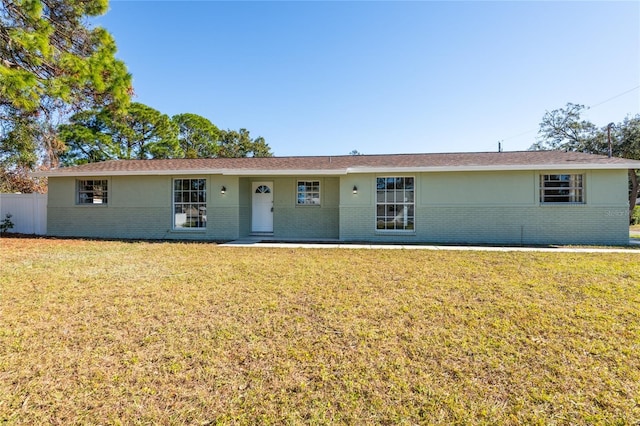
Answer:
(92, 191)
(395, 203)
(562, 188)
(308, 192)
(189, 203)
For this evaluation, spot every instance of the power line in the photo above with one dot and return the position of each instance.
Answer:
(613, 97)
(519, 134)
(587, 108)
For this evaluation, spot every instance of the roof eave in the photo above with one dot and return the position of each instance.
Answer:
(474, 168)
(183, 172)
(339, 172)
(285, 172)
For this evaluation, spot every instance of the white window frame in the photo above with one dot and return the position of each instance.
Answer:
(189, 204)
(92, 192)
(562, 188)
(398, 204)
(308, 192)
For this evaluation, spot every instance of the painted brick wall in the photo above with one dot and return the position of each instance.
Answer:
(109, 222)
(475, 207)
(306, 222)
(491, 207)
(293, 221)
(137, 223)
(244, 207)
(497, 225)
(139, 208)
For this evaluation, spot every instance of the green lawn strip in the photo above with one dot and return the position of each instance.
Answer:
(170, 333)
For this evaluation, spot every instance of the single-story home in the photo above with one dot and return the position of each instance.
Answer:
(528, 197)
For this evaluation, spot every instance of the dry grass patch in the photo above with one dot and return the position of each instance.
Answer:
(169, 333)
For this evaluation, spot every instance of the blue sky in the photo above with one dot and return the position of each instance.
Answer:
(324, 78)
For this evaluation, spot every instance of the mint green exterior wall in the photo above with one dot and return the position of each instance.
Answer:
(244, 211)
(291, 221)
(469, 207)
(140, 207)
(493, 207)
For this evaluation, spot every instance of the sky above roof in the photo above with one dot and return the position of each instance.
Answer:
(325, 78)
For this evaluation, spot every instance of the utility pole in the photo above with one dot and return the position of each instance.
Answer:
(609, 126)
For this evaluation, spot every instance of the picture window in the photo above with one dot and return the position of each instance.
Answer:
(395, 203)
(189, 204)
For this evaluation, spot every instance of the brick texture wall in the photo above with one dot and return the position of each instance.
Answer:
(607, 225)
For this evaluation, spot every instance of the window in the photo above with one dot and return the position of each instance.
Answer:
(308, 192)
(395, 203)
(92, 191)
(190, 203)
(564, 188)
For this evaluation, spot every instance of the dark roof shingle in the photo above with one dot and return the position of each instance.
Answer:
(353, 163)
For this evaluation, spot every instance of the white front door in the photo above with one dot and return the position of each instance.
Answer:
(262, 207)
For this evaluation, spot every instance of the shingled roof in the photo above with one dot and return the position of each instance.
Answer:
(336, 165)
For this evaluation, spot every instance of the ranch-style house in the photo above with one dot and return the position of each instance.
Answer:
(528, 197)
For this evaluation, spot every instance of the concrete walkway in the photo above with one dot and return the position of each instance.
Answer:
(333, 244)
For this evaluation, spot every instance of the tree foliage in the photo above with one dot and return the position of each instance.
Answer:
(239, 144)
(50, 59)
(51, 64)
(197, 136)
(19, 147)
(144, 133)
(565, 130)
(63, 94)
(98, 135)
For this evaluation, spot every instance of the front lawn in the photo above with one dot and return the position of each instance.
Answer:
(173, 333)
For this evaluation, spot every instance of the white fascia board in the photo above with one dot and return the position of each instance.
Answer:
(125, 173)
(285, 172)
(340, 172)
(578, 166)
(225, 172)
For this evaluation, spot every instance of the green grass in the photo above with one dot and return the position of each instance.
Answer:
(172, 333)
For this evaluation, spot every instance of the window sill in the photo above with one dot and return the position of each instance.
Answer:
(395, 232)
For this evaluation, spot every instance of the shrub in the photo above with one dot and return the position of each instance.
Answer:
(635, 218)
(6, 223)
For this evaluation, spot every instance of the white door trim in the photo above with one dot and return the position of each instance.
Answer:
(262, 206)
